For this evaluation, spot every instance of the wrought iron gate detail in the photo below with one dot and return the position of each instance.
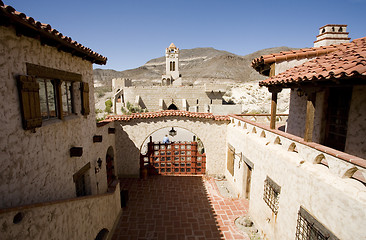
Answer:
(176, 158)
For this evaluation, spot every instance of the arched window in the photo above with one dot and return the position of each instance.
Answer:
(340, 29)
(333, 30)
(323, 30)
(173, 66)
(172, 107)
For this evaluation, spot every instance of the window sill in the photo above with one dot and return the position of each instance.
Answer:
(57, 120)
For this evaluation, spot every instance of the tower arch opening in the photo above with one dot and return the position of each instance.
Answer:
(172, 107)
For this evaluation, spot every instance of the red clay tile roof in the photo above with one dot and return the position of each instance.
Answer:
(47, 35)
(259, 63)
(167, 113)
(349, 60)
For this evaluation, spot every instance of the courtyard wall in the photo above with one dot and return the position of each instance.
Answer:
(130, 135)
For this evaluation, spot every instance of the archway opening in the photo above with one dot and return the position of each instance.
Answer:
(164, 153)
(111, 175)
(172, 107)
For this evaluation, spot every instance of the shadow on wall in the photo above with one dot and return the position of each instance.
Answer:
(170, 208)
(127, 154)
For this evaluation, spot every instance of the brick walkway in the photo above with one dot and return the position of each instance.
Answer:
(172, 207)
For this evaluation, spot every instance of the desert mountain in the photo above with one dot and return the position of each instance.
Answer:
(197, 66)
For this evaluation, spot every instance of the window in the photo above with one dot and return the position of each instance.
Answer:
(67, 98)
(309, 228)
(48, 96)
(47, 93)
(271, 194)
(82, 183)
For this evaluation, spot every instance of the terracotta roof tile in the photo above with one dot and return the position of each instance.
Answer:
(167, 113)
(258, 63)
(8, 15)
(347, 60)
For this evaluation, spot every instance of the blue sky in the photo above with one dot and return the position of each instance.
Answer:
(131, 32)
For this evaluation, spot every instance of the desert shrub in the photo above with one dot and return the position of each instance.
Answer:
(108, 106)
(97, 110)
(130, 108)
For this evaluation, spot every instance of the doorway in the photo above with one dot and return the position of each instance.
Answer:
(110, 165)
(339, 102)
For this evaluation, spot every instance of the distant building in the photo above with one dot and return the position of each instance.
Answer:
(171, 94)
(171, 67)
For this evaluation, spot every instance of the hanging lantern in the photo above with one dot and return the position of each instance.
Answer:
(172, 132)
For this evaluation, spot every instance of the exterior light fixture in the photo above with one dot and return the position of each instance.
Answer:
(172, 132)
(99, 165)
(300, 92)
(99, 162)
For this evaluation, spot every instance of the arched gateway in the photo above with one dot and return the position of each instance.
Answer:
(133, 130)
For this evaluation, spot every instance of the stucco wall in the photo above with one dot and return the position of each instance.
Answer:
(356, 132)
(71, 219)
(36, 167)
(131, 135)
(338, 203)
(297, 113)
(284, 65)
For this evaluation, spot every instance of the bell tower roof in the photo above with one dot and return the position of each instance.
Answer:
(172, 46)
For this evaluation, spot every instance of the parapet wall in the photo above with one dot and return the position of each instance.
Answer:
(77, 218)
(156, 98)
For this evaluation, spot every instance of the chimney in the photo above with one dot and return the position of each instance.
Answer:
(332, 34)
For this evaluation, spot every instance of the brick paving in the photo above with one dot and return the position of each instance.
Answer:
(171, 207)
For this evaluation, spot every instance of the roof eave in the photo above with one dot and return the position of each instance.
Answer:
(30, 28)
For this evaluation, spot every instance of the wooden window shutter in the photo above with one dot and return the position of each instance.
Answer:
(29, 102)
(85, 110)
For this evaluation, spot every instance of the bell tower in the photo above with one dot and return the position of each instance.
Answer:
(171, 65)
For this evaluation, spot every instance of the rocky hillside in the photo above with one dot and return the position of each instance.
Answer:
(197, 66)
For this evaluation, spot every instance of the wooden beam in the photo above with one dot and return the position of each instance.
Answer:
(273, 110)
(310, 114)
(274, 91)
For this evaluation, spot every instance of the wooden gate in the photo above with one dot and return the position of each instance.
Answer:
(176, 158)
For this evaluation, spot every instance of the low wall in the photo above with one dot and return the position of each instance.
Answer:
(329, 193)
(77, 218)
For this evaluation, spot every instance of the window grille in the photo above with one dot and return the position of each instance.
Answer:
(271, 194)
(309, 228)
